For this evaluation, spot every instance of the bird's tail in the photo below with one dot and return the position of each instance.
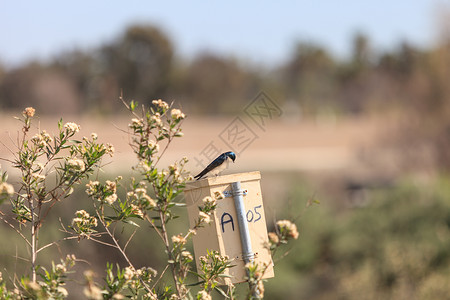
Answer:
(199, 176)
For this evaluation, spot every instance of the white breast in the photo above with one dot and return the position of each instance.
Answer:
(220, 168)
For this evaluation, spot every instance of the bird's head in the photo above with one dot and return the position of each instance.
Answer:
(231, 155)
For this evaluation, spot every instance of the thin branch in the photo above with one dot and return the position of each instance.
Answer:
(127, 106)
(282, 256)
(169, 251)
(21, 258)
(14, 228)
(129, 240)
(160, 276)
(308, 204)
(117, 246)
(154, 227)
(103, 243)
(56, 242)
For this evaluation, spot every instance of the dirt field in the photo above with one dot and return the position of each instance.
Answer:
(308, 145)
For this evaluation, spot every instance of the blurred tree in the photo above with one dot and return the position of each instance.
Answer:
(140, 62)
(15, 86)
(358, 83)
(216, 84)
(82, 68)
(361, 51)
(45, 88)
(309, 76)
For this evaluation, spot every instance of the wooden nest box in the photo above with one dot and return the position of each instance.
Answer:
(223, 233)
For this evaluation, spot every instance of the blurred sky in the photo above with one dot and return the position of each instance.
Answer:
(260, 31)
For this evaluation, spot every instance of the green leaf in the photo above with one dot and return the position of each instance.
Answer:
(196, 283)
(131, 223)
(133, 105)
(221, 292)
(60, 124)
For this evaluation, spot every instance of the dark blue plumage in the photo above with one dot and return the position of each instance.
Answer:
(217, 165)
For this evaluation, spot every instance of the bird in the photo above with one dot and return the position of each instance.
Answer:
(217, 165)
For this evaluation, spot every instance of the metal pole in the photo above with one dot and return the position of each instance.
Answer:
(247, 253)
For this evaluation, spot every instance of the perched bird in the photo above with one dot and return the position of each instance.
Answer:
(217, 165)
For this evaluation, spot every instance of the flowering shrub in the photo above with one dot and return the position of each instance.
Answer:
(50, 167)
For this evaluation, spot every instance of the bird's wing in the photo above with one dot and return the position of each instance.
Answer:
(214, 164)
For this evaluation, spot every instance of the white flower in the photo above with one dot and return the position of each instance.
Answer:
(157, 119)
(289, 228)
(161, 104)
(38, 177)
(140, 191)
(6, 188)
(46, 136)
(29, 112)
(71, 127)
(136, 123)
(61, 268)
(178, 239)
(111, 199)
(187, 255)
(128, 274)
(177, 114)
(93, 292)
(82, 213)
(94, 136)
(143, 165)
(137, 211)
(273, 238)
(77, 221)
(204, 217)
(39, 140)
(111, 186)
(152, 271)
(71, 257)
(151, 296)
(203, 295)
(92, 187)
(209, 201)
(150, 201)
(110, 149)
(76, 164)
(219, 195)
(153, 145)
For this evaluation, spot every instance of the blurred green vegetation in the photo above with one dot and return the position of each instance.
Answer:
(396, 246)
